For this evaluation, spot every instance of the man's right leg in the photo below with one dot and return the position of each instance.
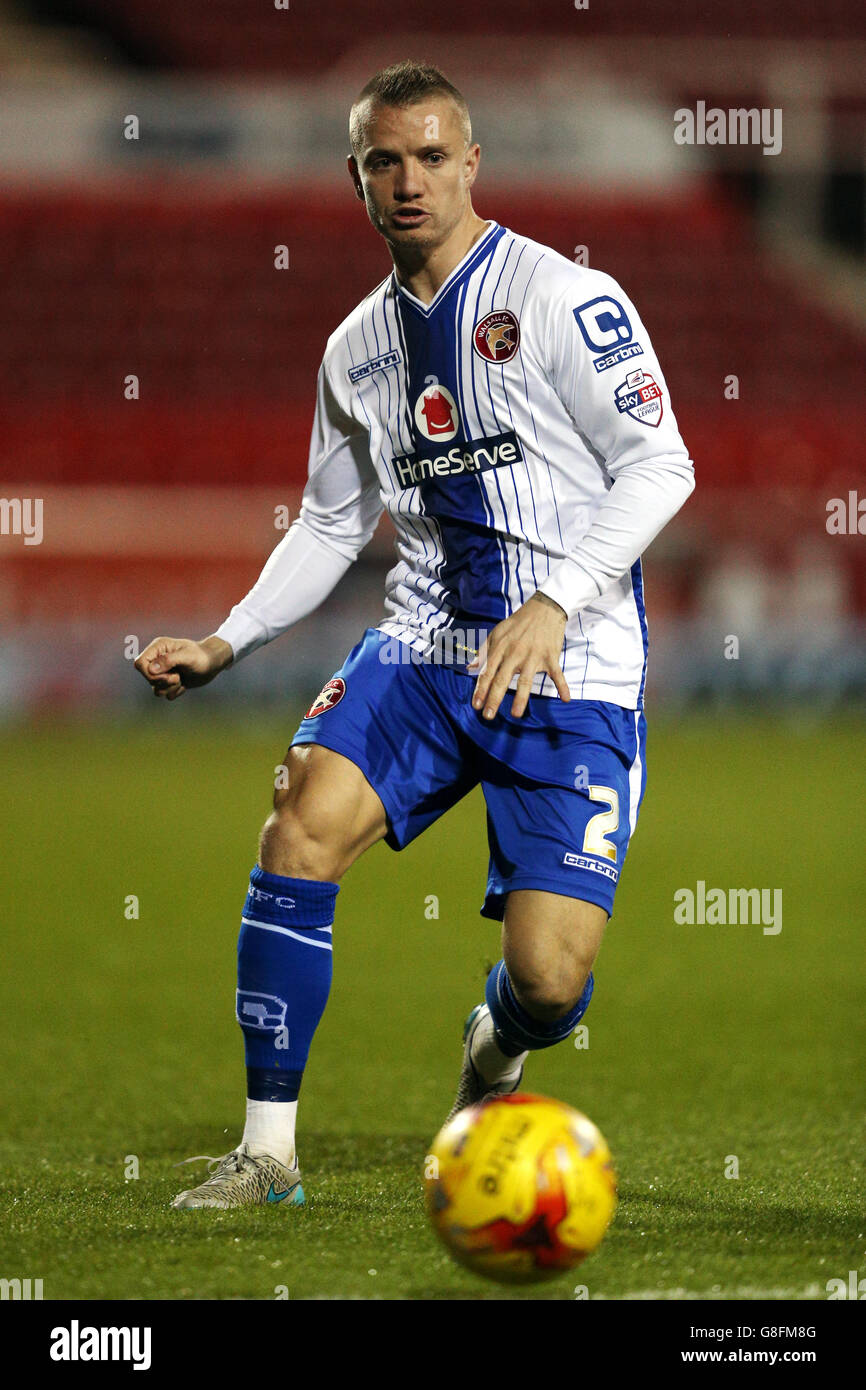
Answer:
(325, 817)
(321, 822)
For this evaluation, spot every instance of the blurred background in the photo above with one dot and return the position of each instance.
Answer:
(158, 353)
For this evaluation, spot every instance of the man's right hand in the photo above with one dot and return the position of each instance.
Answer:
(171, 665)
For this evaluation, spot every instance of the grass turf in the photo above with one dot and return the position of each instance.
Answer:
(119, 1042)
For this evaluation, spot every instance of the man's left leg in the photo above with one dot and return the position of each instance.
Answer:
(563, 790)
(549, 944)
(537, 993)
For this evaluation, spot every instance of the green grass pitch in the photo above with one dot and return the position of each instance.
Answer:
(120, 1046)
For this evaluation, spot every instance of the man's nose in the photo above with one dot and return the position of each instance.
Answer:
(409, 183)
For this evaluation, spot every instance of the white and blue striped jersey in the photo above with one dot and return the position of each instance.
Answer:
(491, 424)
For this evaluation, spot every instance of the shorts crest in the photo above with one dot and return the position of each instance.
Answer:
(330, 695)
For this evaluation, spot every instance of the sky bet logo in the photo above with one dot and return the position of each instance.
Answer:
(640, 397)
(475, 456)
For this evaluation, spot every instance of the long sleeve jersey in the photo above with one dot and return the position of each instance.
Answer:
(519, 433)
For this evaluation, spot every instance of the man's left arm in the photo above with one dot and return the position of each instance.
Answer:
(623, 413)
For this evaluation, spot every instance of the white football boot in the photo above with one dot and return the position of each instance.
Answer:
(472, 1087)
(242, 1179)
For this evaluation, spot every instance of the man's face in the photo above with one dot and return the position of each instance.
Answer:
(414, 172)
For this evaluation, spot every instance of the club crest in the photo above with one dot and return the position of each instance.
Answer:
(331, 694)
(496, 337)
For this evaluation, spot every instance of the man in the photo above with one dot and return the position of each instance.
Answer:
(506, 408)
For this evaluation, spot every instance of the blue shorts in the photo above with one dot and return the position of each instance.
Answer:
(563, 784)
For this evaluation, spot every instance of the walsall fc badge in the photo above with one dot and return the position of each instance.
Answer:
(496, 337)
(330, 695)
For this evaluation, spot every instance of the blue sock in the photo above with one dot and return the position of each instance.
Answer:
(284, 977)
(516, 1030)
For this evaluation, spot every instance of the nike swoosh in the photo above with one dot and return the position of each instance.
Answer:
(274, 1196)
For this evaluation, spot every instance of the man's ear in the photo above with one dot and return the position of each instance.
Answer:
(470, 168)
(352, 165)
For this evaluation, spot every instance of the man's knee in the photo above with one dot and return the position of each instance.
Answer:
(548, 991)
(549, 944)
(293, 845)
(324, 815)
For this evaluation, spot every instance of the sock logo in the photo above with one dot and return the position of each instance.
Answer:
(259, 895)
(263, 1012)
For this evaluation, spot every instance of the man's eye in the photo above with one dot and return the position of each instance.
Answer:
(437, 157)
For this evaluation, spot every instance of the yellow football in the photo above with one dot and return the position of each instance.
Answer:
(520, 1188)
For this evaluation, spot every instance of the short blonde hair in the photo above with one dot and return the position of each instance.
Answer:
(403, 84)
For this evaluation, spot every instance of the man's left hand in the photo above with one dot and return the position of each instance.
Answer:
(528, 642)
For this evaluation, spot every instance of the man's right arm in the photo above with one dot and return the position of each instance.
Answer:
(339, 512)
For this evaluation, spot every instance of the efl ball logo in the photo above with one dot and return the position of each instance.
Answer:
(497, 337)
(330, 695)
(520, 1188)
(436, 414)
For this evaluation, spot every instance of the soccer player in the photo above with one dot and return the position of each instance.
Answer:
(506, 408)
